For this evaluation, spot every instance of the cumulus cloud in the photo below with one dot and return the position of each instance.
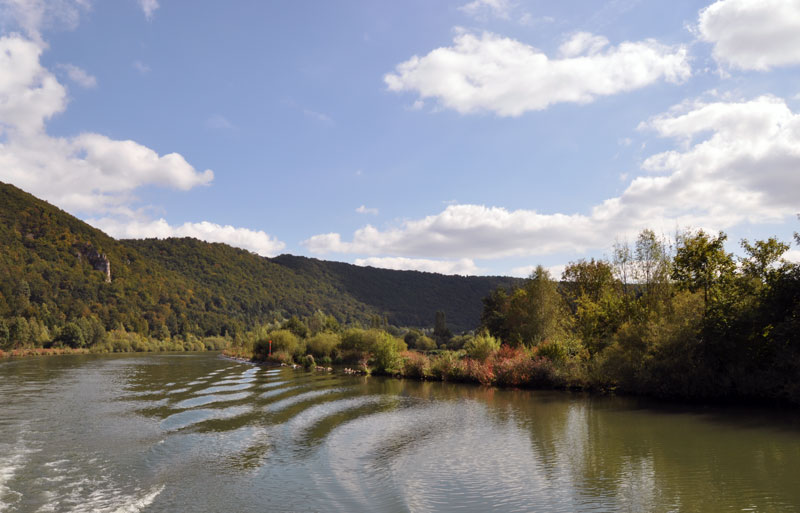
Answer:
(738, 163)
(29, 94)
(256, 241)
(79, 75)
(463, 266)
(363, 209)
(148, 7)
(488, 72)
(753, 34)
(87, 173)
(91, 173)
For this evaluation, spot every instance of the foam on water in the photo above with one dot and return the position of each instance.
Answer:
(9, 465)
(208, 399)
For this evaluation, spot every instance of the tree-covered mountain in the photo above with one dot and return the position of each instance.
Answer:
(53, 271)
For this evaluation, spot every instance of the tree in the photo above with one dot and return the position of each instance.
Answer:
(701, 263)
(440, 331)
(71, 335)
(495, 311)
(296, 326)
(19, 332)
(652, 260)
(761, 256)
(593, 293)
(651, 271)
(592, 278)
(623, 263)
(535, 310)
(3, 334)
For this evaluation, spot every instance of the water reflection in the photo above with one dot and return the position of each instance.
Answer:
(200, 433)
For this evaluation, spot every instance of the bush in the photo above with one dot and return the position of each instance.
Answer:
(71, 335)
(282, 357)
(553, 350)
(512, 366)
(480, 371)
(323, 344)
(482, 346)
(447, 366)
(361, 341)
(282, 341)
(415, 365)
(216, 343)
(458, 342)
(425, 343)
(386, 354)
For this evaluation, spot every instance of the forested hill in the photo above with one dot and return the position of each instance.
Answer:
(53, 270)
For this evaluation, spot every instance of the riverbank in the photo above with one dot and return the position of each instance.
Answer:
(41, 351)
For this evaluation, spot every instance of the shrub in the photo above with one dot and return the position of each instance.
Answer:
(480, 371)
(386, 353)
(282, 341)
(553, 350)
(458, 342)
(447, 366)
(512, 366)
(323, 344)
(425, 343)
(482, 346)
(415, 365)
(282, 357)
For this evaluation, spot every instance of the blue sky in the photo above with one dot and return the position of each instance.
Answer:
(470, 137)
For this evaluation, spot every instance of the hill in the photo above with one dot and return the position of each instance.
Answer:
(54, 268)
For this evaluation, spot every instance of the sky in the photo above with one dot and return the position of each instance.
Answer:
(478, 137)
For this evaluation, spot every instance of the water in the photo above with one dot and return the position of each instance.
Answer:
(200, 433)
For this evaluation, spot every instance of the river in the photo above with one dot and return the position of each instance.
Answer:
(197, 432)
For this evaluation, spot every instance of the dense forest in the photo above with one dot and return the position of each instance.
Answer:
(65, 283)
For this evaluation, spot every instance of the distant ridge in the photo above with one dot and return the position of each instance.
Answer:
(52, 269)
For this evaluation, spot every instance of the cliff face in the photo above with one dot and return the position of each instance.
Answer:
(97, 260)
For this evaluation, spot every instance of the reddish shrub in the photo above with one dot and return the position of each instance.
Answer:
(415, 365)
(482, 372)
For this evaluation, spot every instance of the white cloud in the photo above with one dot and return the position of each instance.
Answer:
(793, 255)
(79, 75)
(743, 170)
(86, 173)
(141, 67)
(531, 20)
(363, 209)
(253, 240)
(753, 34)
(33, 16)
(148, 7)
(525, 271)
(91, 173)
(502, 75)
(481, 8)
(464, 266)
(29, 94)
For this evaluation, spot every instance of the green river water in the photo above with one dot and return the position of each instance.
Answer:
(197, 433)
